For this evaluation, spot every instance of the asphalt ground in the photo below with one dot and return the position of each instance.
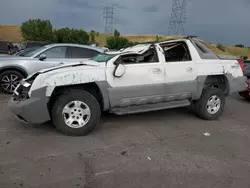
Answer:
(163, 149)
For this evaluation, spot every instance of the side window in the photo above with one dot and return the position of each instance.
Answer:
(10, 45)
(55, 52)
(4, 46)
(77, 52)
(1, 45)
(176, 52)
(148, 57)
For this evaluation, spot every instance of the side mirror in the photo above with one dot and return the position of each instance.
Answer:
(42, 57)
(119, 71)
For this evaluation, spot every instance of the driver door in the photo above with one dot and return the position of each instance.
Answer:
(141, 83)
(55, 56)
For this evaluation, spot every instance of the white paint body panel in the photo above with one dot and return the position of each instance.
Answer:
(69, 76)
(138, 74)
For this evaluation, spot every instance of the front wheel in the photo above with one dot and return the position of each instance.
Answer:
(9, 81)
(76, 112)
(211, 104)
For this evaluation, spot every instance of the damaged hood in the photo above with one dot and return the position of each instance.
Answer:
(83, 63)
(87, 63)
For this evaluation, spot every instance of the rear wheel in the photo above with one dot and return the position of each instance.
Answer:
(9, 81)
(211, 104)
(76, 112)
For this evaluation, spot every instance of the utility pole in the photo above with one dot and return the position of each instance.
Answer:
(178, 17)
(109, 18)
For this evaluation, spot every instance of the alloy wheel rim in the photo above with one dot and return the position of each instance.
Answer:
(76, 114)
(9, 82)
(213, 104)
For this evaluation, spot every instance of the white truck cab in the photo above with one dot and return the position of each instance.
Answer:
(140, 78)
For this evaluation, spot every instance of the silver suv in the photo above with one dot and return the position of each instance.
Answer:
(15, 68)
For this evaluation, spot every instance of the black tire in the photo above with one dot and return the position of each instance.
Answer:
(9, 73)
(200, 106)
(67, 97)
(247, 98)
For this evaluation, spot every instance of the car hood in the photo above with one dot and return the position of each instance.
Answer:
(87, 63)
(83, 63)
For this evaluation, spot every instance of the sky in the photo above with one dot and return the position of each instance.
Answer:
(219, 21)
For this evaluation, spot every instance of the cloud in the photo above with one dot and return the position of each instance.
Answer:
(85, 4)
(152, 8)
(224, 21)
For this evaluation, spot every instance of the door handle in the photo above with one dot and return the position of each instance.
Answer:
(157, 70)
(189, 69)
(60, 63)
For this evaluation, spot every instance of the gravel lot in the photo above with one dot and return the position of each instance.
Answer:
(151, 150)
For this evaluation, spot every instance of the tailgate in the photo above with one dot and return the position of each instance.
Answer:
(234, 73)
(232, 67)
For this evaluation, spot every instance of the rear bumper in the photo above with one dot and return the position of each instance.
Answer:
(33, 110)
(237, 84)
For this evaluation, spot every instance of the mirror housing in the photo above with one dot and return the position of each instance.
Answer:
(42, 57)
(119, 71)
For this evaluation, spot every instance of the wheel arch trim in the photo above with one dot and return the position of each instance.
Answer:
(16, 68)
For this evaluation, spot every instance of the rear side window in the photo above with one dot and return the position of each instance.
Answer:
(247, 67)
(204, 52)
(176, 52)
(10, 45)
(77, 52)
(4, 46)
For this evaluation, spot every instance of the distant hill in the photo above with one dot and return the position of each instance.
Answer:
(13, 33)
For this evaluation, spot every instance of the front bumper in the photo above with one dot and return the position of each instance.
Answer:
(33, 110)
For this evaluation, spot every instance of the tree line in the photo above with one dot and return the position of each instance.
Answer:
(42, 30)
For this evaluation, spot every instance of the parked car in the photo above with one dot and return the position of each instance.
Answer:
(6, 48)
(32, 44)
(25, 51)
(19, 53)
(15, 68)
(247, 70)
(246, 93)
(18, 46)
(141, 78)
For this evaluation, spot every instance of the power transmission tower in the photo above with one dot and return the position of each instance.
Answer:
(178, 17)
(109, 18)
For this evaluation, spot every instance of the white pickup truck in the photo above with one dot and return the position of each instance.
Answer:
(141, 78)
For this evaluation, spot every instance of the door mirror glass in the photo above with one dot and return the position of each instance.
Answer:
(119, 70)
(42, 57)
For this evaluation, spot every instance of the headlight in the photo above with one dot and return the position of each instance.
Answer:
(26, 84)
(22, 90)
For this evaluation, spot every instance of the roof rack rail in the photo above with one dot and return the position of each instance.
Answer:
(190, 37)
(138, 43)
(151, 42)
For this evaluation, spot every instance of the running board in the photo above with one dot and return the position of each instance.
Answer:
(150, 107)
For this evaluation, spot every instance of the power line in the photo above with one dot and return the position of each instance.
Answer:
(178, 17)
(109, 18)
